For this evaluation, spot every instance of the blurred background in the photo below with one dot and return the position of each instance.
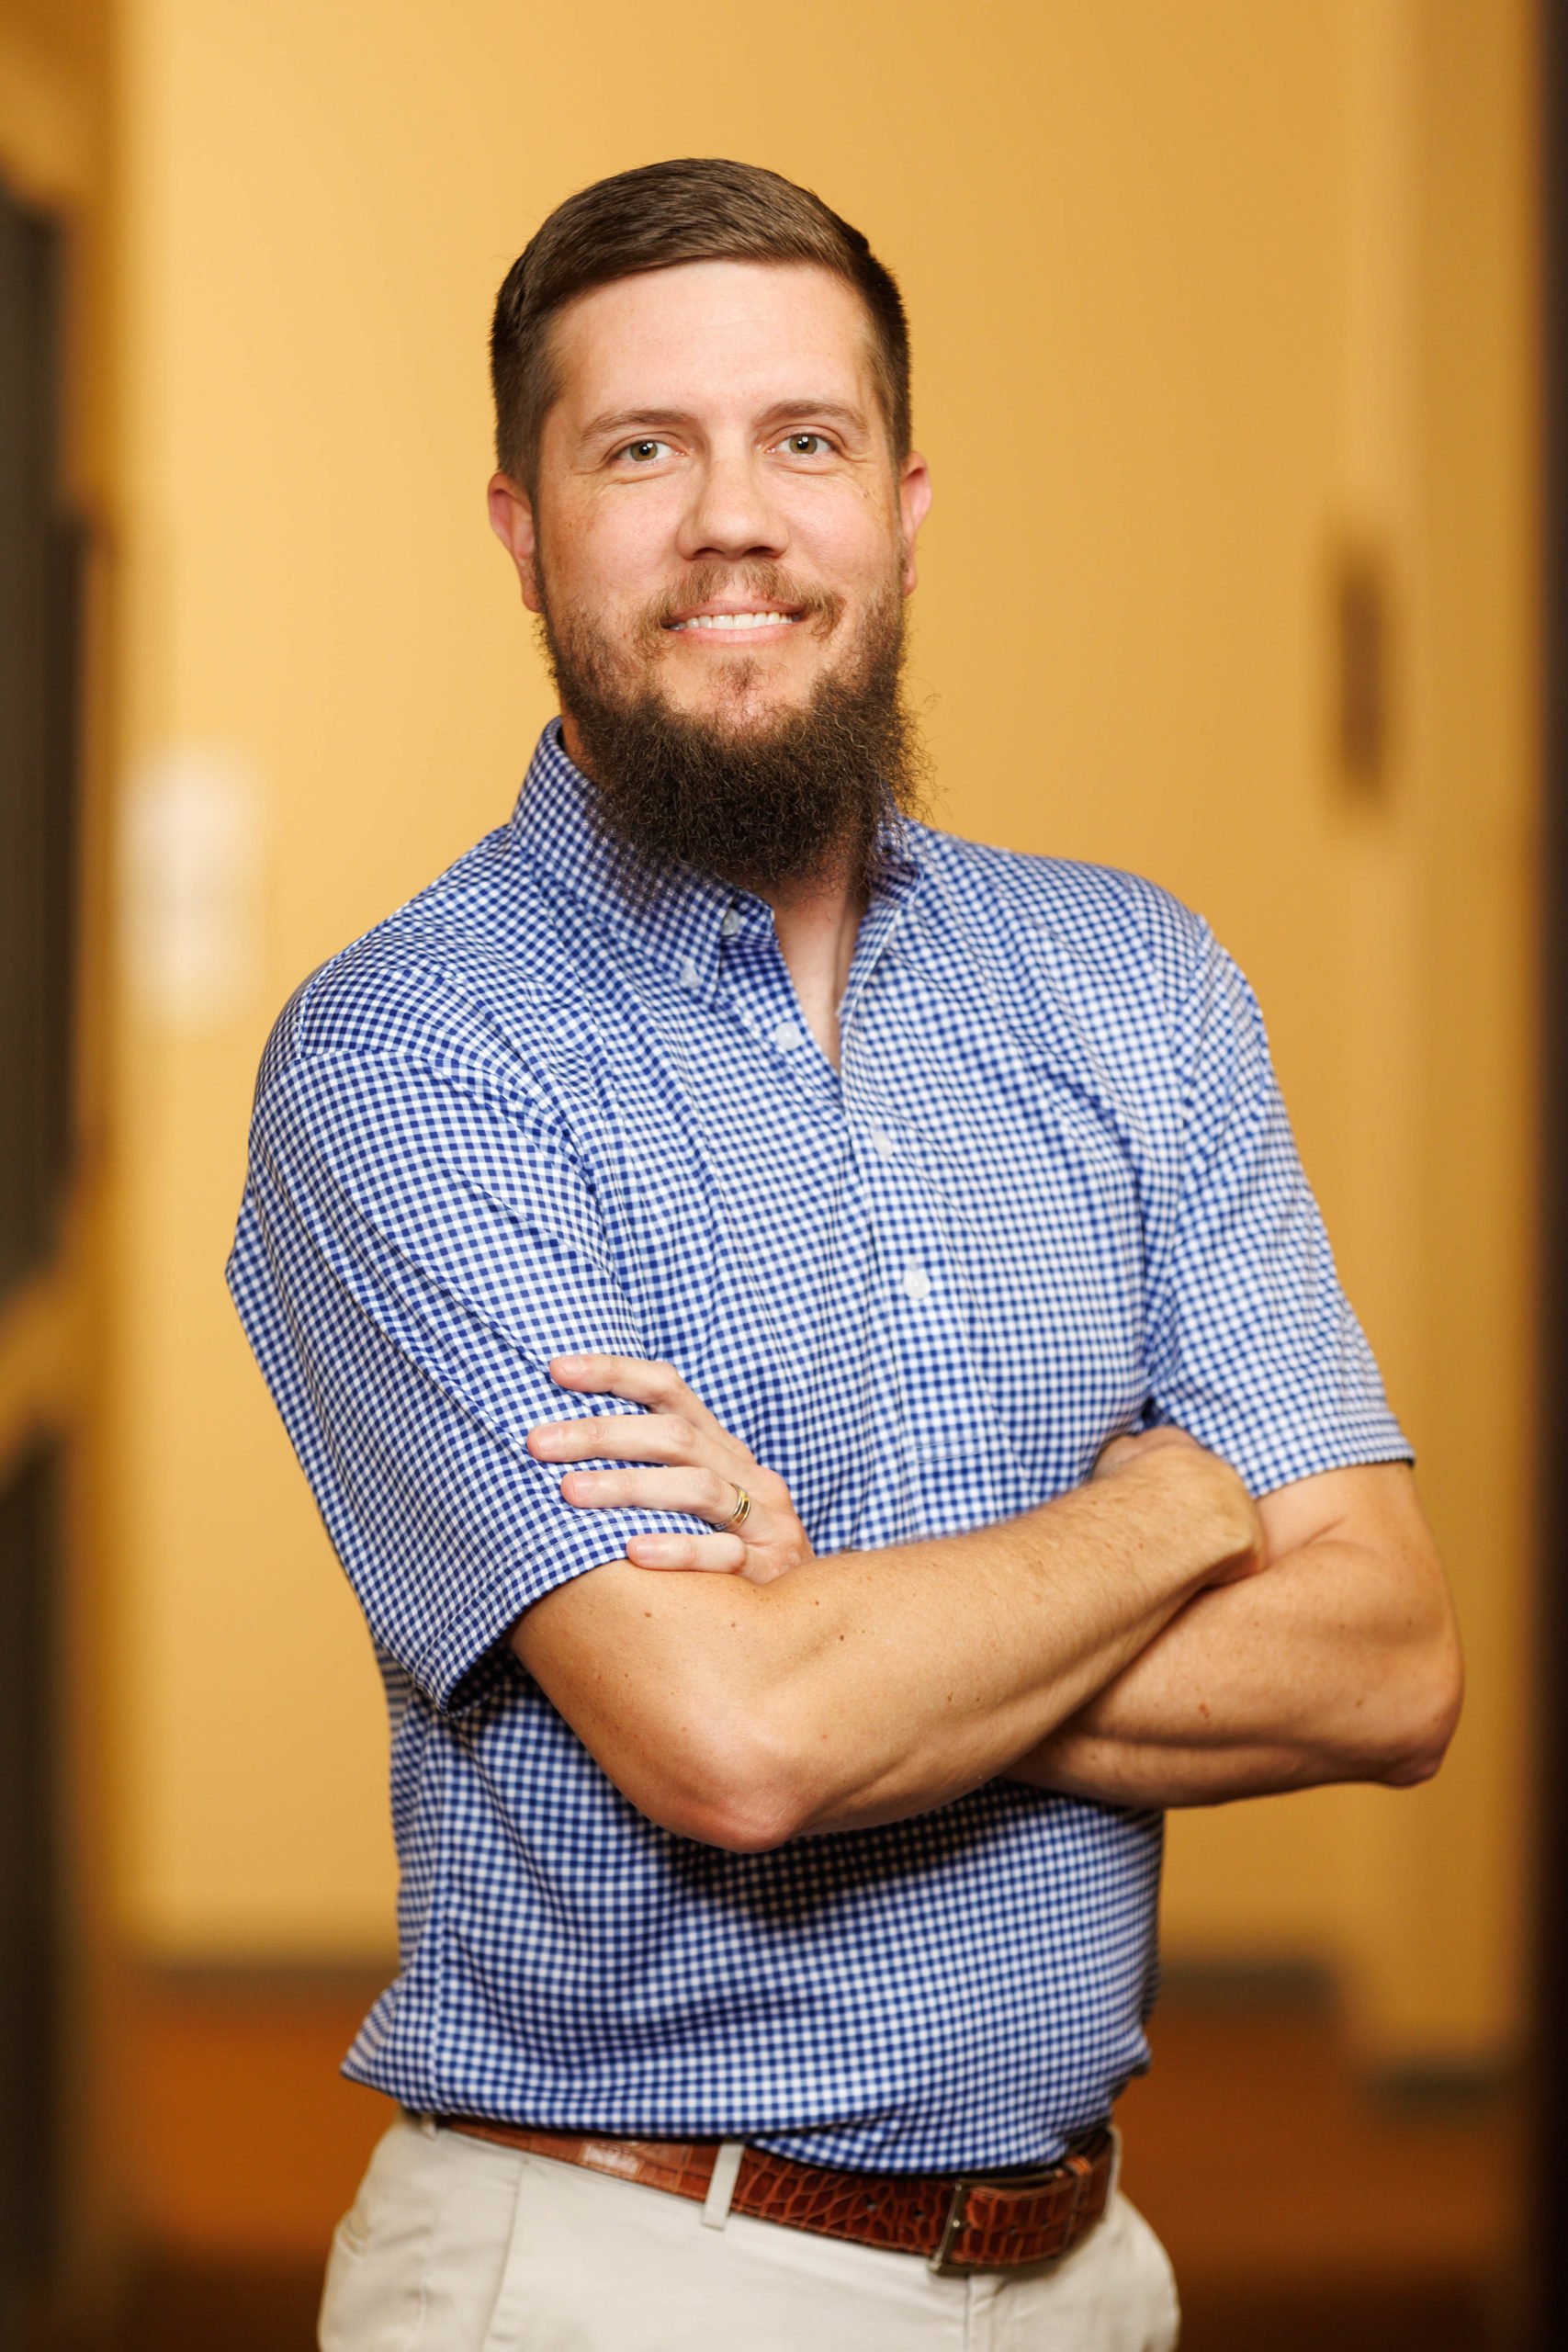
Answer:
(1227, 359)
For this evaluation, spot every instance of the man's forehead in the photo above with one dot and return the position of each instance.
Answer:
(713, 333)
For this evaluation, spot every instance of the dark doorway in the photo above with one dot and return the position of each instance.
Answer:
(38, 607)
(38, 604)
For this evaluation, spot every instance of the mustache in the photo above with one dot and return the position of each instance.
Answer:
(768, 583)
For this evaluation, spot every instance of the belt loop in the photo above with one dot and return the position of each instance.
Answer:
(721, 2185)
(956, 2209)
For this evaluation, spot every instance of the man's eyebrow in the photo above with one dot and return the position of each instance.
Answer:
(830, 412)
(627, 419)
(634, 420)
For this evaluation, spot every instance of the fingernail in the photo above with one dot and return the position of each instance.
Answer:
(654, 1551)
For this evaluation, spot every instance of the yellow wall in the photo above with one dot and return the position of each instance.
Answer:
(1196, 291)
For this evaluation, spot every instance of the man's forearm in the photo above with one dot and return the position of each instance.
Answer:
(864, 1688)
(1339, 1663)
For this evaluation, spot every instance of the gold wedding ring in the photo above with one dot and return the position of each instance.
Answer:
(741, 1514)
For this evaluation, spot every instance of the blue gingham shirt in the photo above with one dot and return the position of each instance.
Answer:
(1051, 1194)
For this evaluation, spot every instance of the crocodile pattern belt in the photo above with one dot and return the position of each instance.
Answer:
(970, 2221)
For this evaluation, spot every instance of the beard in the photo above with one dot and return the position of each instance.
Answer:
(807, 794)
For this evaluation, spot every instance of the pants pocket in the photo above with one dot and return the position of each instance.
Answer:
(1158, 2304)
(373, 2298)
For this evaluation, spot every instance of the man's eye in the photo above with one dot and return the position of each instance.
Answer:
(645, 453)
(808, 445)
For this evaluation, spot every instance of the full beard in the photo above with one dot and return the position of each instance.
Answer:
(810, 794)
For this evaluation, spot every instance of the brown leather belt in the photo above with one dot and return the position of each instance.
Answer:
(972, 2222)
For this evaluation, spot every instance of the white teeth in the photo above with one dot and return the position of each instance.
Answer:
(734, 620)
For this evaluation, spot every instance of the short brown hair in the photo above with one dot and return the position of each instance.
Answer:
(701, 209)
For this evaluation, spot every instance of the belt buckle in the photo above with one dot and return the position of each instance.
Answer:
(937, 2263)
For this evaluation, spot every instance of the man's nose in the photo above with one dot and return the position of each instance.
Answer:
(731, 514)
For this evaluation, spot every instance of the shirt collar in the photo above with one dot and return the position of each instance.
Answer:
(683, 921)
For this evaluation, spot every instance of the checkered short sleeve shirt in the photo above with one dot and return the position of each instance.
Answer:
(1051, 1194)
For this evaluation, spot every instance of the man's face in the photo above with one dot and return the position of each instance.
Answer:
(718, 524)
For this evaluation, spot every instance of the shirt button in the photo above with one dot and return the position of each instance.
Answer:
(689, 974)
(882, 1143)
(915, 1283)
(731, 924)
(786, 1036)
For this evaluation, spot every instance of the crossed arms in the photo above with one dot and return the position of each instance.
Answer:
(1151, 1638)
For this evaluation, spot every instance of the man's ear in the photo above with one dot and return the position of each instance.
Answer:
(511, 520)
(914, 506)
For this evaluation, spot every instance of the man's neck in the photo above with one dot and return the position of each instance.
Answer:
(816, 930)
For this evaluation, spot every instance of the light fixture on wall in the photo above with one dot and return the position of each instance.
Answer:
(1361, 628)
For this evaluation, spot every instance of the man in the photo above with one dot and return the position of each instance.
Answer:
(812, 1342)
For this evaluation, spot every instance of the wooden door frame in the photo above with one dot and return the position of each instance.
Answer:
(1547, 2058)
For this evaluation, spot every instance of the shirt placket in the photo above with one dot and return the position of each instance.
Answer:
(762, 995)
(951, 1470)
(945, 1426)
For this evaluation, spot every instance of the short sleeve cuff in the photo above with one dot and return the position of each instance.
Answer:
(1267, 1455)
(582, 1541)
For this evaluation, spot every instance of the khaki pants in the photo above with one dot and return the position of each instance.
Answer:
(454, 2246)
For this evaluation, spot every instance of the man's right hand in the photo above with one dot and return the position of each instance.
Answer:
(1199, 1482)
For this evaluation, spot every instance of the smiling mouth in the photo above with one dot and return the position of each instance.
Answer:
(740, 621)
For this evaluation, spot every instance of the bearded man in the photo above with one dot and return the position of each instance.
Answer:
(984, 1457)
